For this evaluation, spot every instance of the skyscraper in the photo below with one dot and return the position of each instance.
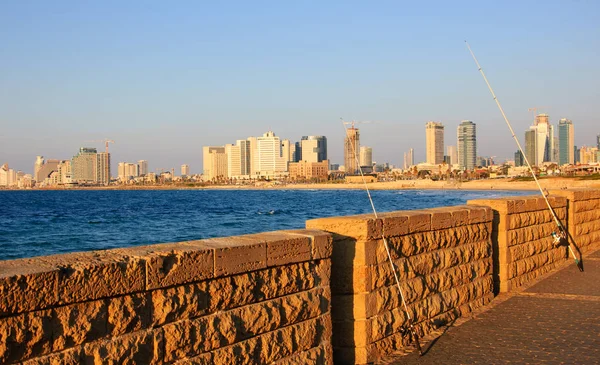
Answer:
(103, 168)
(544, 140)
(566, 142)
(351, 150)
(313, 148)
(271, 161)
(530, 145)
(143, 167)
(215, 163)
(434, 142)
(84, 165)
(598, 141)
(453, 153)
(467, 145)
(185, 170)
(366, 156)
(409, 158)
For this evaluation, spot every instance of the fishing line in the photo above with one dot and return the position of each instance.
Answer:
(561, 235)
(411, 330)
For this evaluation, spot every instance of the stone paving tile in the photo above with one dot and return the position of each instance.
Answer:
(571, 281)
(521, 330)
(554, 321)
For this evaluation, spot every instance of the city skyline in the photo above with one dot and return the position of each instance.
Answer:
(163, 81)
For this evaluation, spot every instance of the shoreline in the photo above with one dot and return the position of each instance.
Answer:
(488, 184)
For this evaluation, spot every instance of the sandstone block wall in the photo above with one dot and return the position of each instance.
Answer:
(522, 236)
(583, 211)
(444, 261)
(261, 298)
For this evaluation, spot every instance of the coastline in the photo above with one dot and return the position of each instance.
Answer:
(488, 184)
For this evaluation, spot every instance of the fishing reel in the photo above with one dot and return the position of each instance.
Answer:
(412, 335)
(559, 237)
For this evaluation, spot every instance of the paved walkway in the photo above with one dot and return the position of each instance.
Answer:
(554, 321)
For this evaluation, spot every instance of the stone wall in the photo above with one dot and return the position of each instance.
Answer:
(523, 243)
(260, 298)
(444, 260)
(583, 218)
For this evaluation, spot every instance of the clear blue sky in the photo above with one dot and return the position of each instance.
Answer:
(165, 78)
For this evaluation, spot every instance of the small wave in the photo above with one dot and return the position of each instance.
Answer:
(95, 222)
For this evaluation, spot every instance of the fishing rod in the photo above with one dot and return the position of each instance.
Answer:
(561, 235)
(410, 329)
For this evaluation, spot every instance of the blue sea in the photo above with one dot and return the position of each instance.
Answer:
(34, 223)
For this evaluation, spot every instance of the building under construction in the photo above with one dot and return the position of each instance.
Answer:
(351, 151)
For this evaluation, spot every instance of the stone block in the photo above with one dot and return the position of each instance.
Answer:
(234, 255)
(359, 227)
(79, 323)
(25, 336)
(178, 303)
(72, 356)
(171, 264)
(243, 289)
(480, 214)
(142, 347)
(97, 274)
(192, 337)
(418, 221)
(129, 313)
(584, 217)
(585, 205)
(532, 233)
(321, 242)
(441, 219)
(286, 248)
(394, 223)
(577, 194)
(320, 355)
(75, 277)
(27, 285)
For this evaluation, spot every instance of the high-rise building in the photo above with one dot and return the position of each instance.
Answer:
(84, 165)
(544, 140)
(519, 160)
(215, 163)
(566, 142)
(588, 155)
(39, 162)
(142, 167)
(351, 150)
(89, 166)
(530, 145)
(271, 161)
(409, 158)
(453, 154)
(185, 170)
(434, 142)
(253, 148)
(366, 156)
(127, 170)
(313, 148)
(103, 168)
(4, 170)
(65, 174)
(598, 141)
(467, 145)
(238, 159)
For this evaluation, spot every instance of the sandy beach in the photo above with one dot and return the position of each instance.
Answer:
(488, 184)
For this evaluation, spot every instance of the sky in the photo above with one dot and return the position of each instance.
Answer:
(162, 79)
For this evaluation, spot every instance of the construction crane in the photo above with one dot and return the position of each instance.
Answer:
(535, 111)
(106, 141)
(352, 123)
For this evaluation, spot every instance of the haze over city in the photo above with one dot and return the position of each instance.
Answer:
(164, 80)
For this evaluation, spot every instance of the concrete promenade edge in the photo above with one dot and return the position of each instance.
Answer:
(553, 320)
